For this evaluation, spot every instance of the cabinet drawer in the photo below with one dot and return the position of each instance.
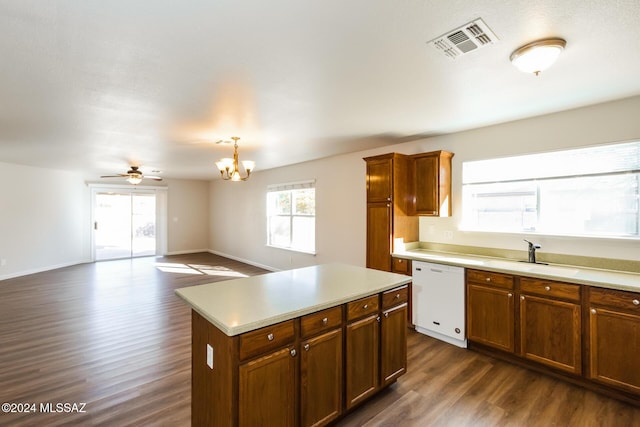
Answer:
(321, 321)
(395, 297)
(402, 266)
(615, 299)
(489, 278)
(549, 288)
(362, 307)
(268, 338)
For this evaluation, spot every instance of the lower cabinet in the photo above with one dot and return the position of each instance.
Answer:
(376, 350)
(301, 372)
(614, 338)
(550, 324)
(321, 379)
(267, 390)
(590, 333)
(490, 309)
(393, 332)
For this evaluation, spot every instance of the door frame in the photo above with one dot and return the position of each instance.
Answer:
(161, 211)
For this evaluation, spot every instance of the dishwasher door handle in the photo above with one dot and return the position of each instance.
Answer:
(435, 270)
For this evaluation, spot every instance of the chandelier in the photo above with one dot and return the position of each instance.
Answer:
(229, 169)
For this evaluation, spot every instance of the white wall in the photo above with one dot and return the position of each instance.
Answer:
(187, 216)
(238, 209)
(43, 219)
(238, 214)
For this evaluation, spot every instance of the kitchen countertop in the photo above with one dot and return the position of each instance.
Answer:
(242, 305)
(611, 279)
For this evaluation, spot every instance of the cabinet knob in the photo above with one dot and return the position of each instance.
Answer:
(521, 297)
(325, 321)
(398, 297)
(386, 314)
(306, 347)
(388, 199)
(378, 319)
(293, 352)
(509, 294)
(593, 311)
(270, 337)
(635, 302)
(547, 288)
(366, 306)
(488, 279)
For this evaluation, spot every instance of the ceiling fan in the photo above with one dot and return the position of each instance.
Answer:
(133, 175)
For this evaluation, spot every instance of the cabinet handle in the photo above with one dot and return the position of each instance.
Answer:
(325, 321)
(509, 294)
(270, 337)
(547, 288)
(293, 352)
(418, 269)
(306, 347)
(386, 314)
(378, 319)
(366, 306)
(593, 311)
(635, 302)
(521, 297)
(488, 279)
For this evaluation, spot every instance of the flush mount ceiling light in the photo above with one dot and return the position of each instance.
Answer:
(537, 56)
(229, 167)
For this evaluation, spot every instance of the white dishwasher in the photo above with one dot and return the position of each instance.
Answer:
(439, 302)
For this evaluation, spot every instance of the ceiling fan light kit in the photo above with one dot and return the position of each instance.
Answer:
(229, 168)
(133, 176)
(537, 56)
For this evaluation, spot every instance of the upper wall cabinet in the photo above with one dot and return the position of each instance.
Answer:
(432, 181)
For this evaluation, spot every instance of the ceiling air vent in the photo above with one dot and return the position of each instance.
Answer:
(465, 39)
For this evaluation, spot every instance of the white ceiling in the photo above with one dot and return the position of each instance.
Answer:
(96, 85)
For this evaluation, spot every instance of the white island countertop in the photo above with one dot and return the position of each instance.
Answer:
(611, 279)
(242, 305)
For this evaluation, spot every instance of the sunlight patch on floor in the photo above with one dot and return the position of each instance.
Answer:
(210, 270)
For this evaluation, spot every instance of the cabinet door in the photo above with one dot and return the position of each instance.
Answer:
(550, 332)
(267, 390)
(321, 378)
(614, 343)
(393, 343)
(491, 317)
(379, 236)
(426, 184)
(379, 180)
(361, 361)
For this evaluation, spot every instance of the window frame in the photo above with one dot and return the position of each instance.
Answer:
(292, 215)
(479, 183)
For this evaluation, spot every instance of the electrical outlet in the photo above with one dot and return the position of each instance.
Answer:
(209, 356)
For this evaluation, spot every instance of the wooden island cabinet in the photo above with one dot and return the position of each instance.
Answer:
(307, 369)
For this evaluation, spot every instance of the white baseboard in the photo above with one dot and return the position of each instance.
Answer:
(42, 269)
(190, 251)
(246, 261)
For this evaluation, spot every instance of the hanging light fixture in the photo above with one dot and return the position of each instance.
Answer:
(537, 56)
(229, 169)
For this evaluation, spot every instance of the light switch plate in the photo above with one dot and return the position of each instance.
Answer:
(209, 356)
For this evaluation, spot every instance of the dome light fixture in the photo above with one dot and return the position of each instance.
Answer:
(537, 56)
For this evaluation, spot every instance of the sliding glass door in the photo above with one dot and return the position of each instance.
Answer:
(124, 224)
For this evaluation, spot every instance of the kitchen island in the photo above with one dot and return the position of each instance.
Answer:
(295, 347)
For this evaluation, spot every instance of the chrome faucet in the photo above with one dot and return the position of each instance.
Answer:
(532, 251)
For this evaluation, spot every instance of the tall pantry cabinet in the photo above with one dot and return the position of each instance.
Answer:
(389, 207)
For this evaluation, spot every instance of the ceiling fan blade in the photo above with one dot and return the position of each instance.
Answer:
(114, 176)
(157, 178)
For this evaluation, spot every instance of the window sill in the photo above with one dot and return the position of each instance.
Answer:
(300, 251)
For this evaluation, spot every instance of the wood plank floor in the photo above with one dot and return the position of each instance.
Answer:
(112, 335)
